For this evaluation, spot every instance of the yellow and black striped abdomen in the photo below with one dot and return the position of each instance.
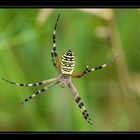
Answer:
(67, 62)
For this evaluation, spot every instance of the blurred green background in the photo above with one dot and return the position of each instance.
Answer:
(111, 95)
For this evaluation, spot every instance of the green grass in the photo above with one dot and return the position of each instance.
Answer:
(111, 95)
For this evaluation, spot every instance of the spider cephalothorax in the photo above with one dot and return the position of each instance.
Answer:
(64, 79)
(65, 69)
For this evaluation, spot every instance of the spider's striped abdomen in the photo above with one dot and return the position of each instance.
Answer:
(67, 62)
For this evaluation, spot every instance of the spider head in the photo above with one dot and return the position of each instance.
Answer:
(67, 62)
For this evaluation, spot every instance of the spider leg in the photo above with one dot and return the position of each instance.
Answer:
(80, 103)
(54, 55)
(40, 91)
(31, 84)
(87, 70)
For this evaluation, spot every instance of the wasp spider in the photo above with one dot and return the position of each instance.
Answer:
(65, 69)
